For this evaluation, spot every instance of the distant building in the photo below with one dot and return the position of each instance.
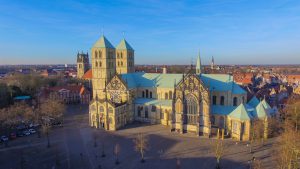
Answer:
(83, 64)
(68, 94)
(48, 73)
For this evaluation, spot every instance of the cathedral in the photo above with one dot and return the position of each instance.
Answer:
(191, 102)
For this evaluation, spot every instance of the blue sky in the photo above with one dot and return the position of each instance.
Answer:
(161, 32)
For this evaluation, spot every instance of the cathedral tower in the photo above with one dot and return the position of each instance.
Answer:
(124, 58)
(103, 65)
(83, 64)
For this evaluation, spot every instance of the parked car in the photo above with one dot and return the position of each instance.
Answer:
(4, 138)
(26, 132)
(32, 131)
(13, 136)
(20, 134)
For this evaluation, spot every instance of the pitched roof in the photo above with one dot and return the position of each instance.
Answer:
(221, 82)
(216, 82)
(266, 104)
(124, 45)
(102, 42)
(141, 79)
(254, 101)
(198, 64)
(88, 74)
(240, 113)
(261, 111)
(156, 102)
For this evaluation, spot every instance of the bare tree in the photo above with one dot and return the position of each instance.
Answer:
(178, 164)
(218, 149)
(141, 145)
(116, 153)
(51, 111)
(257, 133)
(256, 164)
(287, 150)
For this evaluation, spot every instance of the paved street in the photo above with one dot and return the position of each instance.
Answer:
(73, 147)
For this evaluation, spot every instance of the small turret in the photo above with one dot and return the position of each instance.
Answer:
(198, 65)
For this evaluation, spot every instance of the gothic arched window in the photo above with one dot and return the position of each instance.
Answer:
(100, 64)
(101, 109)
(222, 101)
(100, 54)
(96, 55)
(166, 96)
(235, 101)
(192, 110)
(214, 100)
(146, 112)
(170, 95)
(96, 64)
(147, 93)
(110, 110)
(121, 63)
(212, 120)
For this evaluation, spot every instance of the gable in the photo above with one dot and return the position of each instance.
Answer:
(116, 83)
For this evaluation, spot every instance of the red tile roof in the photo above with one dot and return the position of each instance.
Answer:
(88, 74)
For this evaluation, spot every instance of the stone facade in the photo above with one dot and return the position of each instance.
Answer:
(83, 64)
(191, 102)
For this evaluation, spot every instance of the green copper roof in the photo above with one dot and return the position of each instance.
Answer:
(140, 79)
(124, 45)
(261, 111)
(103, 43)
(216, 82)
(198, 65)
(240, 113)
(156, 102)
(254, 101)
(266, 105)
(221, 82)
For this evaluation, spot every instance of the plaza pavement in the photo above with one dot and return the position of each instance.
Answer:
(73, 147)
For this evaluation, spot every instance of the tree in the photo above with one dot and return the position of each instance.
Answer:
(256, 132)
(287, 150)
(218, 149)
(178, 164)
(51, 111)
(141, 145)
(116, 153)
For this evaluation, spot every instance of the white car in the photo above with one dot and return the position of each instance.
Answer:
(32, 131)
(26, 133)
(4, 138)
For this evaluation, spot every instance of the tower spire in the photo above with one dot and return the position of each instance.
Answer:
(212, 62)
(198, 65)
